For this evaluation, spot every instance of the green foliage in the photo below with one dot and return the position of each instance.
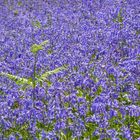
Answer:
(48, 73)
(18, 129)
(44, 43)
(25, 86)
(74, 110)
(107, 107)
(112, 77)
(75, 68)
(99, 90)
(62, 136)
(121, 137)
(134, 126)
(18, 80)
(80, 92)
(49, 83)
(68, 134)
(66, 104)
(50, 126)
(49, 51)
(114, 123)
(135, 129)
(138, 57)
(42, 126)
(8, 132)
(88, 97)
(137, 32)
(15, 12)
(137, 86)
(95, 79)
(35, 48)
(25, 83)
(92, 76)
(15, 105)
(19, 3)
(90, 128)
(89, 113)
(92, 58)
(37, 24)
(119, 18)
(123, 98)
(1, 92)
(70, 121)
(24, 132)
(38, 135)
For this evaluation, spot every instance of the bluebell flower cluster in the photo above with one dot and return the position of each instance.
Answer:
(69, 70)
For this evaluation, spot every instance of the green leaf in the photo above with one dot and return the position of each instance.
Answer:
(37, 24)
(50, 126)
(19, 3)
(107, 107)
(99, 90)
(75, 68)
(88, 97)
(44, 43)
(69, 120)
(24, 87)
(49, 51)
(138, 57)
(120, 18)
(35, 48)
(38, 135)
(40, 125)
(90, 128)
(112, 77)
(113, 123)
(23, 130)
(94, 78)
(74, 110)
(80, 93)
(15, 12)
(18, 80)
(49, 83)
(137, 86)
(45, 127)
(137, 32)
(8, 132)
(123, 98)
(18, 129)
(15, 105)
(48, 73)
(66, 104)
(41, 84)
(68, 134)
(92, 58)
(25, 134)
(1, 92)
(135, 129)
(62, 136)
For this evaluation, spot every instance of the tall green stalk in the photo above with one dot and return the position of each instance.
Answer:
(34, 78)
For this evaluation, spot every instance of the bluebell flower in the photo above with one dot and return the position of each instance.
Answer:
(113, 113)
(12, 137)
(43, 134)
(112, 133)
